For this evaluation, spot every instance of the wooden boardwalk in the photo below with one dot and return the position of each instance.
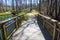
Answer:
(30, 30)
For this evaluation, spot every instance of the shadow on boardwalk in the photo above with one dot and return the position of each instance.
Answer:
(44, 32)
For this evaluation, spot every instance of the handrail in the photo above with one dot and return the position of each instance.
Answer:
(4, 21)
(49, 18)
(46, 17)
(55, 25)
(49, 24)
(58, 30)
(8, 27)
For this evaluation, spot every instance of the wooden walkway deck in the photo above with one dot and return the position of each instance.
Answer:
(30, 30)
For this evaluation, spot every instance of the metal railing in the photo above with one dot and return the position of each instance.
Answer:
(9, 26)
(52, 26)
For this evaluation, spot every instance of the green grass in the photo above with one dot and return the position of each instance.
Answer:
(18, 14)
(25, 16)
(4, 16)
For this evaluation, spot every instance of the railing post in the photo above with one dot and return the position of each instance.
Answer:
(54, 29)
(20, 20)
(4, 32)
(43, 22)
(58, 35)
(16, 23)
(47, 18)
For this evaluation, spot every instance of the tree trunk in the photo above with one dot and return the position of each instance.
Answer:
(40, 6)
(16, 5)
(30, 5)
(12, 4)
(6, 4)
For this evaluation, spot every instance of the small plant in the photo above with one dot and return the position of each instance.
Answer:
(18, 14)
(25, 16)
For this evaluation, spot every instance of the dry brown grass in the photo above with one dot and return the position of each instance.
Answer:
(34, 12)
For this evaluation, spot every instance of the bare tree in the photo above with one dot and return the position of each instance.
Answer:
(39, 5)
(1, 5)
(12, 4)
(30, 5)
(6, 4)
(16, 5)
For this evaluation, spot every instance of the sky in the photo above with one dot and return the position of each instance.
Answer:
(9, 2)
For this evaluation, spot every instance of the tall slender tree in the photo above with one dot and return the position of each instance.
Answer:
(6, 4)
(1, 5)
(12, 4)
(16, 5)
(26, 3)
(55, 10)
(30, 5)
(39, 6)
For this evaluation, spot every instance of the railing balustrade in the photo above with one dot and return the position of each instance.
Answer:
(9, 26)
(52, 26)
